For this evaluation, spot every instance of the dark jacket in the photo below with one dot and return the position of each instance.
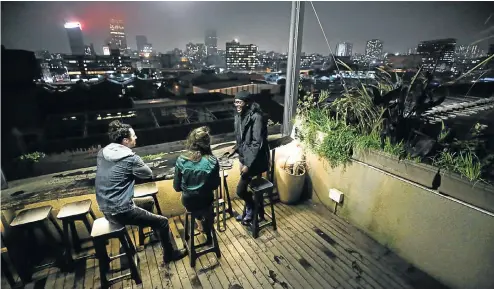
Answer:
(117, 168)
(251, 133)
(197, 181)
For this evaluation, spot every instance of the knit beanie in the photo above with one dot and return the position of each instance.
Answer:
(243, 95)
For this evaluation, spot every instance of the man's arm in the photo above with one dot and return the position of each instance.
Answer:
(254, 147)
(140, 169)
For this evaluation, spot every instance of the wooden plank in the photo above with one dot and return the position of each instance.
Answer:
(117, 263)
(187, 281)
(324, 257)
(312, 278)
(368, 273)
(156, 279)
(269, 259)
(202, 263)
(69, 280)
(376, 269)
(335, 255)
(247, 279)
(127, 282)
(196, 278)
(91, 277)
(170, 270)
(377, 255)
(279, 247)
(51, 277)
(144, 268)
(231, 269)
(247, 261)
(39, 279)
(164, 272)
(267, 238)
(211, 263)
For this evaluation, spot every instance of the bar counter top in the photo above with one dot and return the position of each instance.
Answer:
(81, 181)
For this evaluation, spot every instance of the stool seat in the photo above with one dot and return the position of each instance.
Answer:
(260, 184)
(145, 190)
(31, 216)
(75, 209)
(102, 226)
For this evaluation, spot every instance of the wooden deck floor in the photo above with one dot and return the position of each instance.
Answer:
(311, 249)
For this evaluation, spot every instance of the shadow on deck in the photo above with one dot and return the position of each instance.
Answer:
(312, 248)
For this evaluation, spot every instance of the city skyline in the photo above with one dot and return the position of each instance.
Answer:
(395, 23)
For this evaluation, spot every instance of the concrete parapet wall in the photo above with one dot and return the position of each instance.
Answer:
(450, 240)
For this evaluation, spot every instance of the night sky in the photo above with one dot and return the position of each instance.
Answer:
(401, 25)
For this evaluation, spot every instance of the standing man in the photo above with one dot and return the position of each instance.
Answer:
(252, 147)
(117, 168)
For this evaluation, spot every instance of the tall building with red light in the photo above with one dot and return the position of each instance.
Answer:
(76, 40)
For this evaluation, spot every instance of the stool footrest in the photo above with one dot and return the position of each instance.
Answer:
(269, 223)
(112, 258)
(115, 279)
(205, 251)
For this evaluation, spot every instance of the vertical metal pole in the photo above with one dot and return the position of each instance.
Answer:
(5, 185)
(293, 67)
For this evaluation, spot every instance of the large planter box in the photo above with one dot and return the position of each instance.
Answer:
(478, 193)
(423, 174)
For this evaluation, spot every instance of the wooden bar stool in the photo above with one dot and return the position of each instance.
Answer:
(146, 191)
(224, 187)
(104, 230)
(69, 214)
(189, 236)
(6, 271)
(220, 208)
(28, 221)
(262, 190)
(219, 201)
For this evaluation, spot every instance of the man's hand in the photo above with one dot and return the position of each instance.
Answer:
(245, 170)
(230, 152)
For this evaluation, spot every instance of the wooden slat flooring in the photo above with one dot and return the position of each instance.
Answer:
(310, 249)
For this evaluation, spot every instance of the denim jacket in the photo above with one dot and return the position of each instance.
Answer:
(117, 168)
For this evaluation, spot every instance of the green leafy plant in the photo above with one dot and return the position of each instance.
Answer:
(337, 144)
(152, 157)
(32, 157)
(466, 164)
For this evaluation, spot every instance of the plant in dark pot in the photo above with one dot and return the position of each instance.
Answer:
(290, 174)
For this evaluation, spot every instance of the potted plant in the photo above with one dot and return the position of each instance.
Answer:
(290, 179)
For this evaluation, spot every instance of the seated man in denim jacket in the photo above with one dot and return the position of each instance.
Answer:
(117, 168)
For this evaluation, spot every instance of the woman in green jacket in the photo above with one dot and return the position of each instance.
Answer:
(197, 175)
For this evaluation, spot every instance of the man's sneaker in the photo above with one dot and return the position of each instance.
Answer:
(175, 256)
(239, 217)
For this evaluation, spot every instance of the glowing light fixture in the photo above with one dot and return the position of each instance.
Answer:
(73, 25)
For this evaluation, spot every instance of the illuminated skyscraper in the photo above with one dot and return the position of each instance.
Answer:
(195, 52)
(240, 56)
(373, 50)
(141, 41)
(76, 41)
(442, 50)
(117, 35)
(211, 42)
(344, 49)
